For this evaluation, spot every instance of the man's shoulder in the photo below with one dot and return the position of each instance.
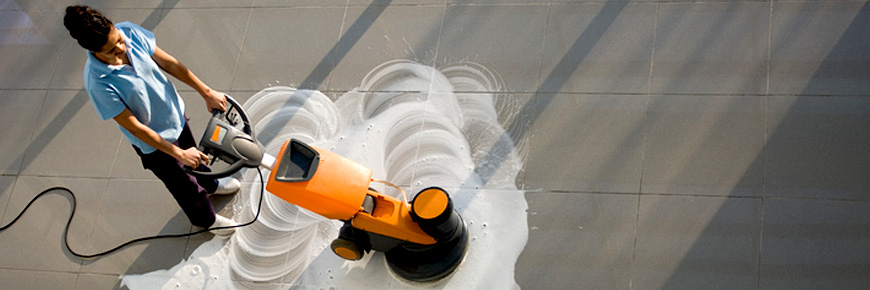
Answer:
(127, 25)
(138, 35)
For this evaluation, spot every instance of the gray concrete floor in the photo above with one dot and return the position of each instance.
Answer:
(670, 144)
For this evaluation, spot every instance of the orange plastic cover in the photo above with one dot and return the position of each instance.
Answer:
(336, 190)
(391, 218)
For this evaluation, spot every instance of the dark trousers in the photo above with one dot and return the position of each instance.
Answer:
(190, 192)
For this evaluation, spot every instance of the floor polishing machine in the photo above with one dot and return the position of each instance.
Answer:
(422, 241)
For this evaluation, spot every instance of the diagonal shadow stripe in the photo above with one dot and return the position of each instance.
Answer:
(519, 127)
(158, 14)
(791, 261)
(338, 52)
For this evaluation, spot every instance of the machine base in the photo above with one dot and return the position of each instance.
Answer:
(429, 263)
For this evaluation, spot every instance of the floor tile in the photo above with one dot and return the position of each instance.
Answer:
(818, 48)
(19, 279)
(209, 4)
(589, 236)
(376, 34)
(697, 243)
(69, 138)
(35, 242)
(192, 36)
(704, 145)
(499, 135)
(10, 5)
(296, 56)
(29, 42)
(603, 150)
(98, 281)
(128, 164)
(100, 4)
(7, 183)
(20, 116)
(302, 3)
(505, 39)
(682, 1)
(132, 209)
(72, 57)
(818, 147)
(598, 48)
(711, 48)
(497, 2)
(609, 1)
(814, 244)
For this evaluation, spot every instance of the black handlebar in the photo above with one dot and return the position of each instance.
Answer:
(223, 140)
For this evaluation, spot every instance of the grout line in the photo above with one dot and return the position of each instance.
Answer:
(764, 139)
(97, 214)
(241, 48)
(698, 94)
(115, 159)
(769, 45)
(695, 195)
(643, 153)
(538, 81)
(653, 54)
(634, 245)
(30, 140)
(760, 246)
(9, 200)
(51, 271)
(326, 82)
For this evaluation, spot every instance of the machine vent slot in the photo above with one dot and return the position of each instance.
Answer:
(298, 163)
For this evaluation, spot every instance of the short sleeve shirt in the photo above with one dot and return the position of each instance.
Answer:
(141, 87)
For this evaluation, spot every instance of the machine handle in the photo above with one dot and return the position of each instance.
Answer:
(223, 140)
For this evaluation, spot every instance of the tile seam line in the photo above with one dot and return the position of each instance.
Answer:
(111, 178)
(90, 236)
(30, 136)
(764, 138)
(411, 184)
(538, 79)
(648, 97)
(508, 4)
(241, 48)
(567, 192)
(46, 271)
(335, 6)
(519, 93)
(612, 94)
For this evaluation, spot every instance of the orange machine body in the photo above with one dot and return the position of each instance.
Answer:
(391, 218)
(337, 190)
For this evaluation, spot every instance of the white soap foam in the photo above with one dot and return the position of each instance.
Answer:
(410, 126)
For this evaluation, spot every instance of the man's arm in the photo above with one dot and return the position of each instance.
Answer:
(213, 99)
(190, 157)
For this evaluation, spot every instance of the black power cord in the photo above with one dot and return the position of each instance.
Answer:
(73, 212)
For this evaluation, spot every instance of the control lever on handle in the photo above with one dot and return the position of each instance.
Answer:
(223, 140)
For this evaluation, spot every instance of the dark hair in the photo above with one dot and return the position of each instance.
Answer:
(88, 26)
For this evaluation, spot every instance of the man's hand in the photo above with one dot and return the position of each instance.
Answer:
(192, 158)
(215, 100)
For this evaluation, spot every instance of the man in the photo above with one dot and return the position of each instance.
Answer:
(124, 79)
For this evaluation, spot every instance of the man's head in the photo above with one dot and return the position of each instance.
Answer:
(88, 26)
(95, 32)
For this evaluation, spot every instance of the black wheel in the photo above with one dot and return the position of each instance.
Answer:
(432, 209)
(346, 249)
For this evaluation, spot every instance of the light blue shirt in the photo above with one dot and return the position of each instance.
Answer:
(141, 87)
